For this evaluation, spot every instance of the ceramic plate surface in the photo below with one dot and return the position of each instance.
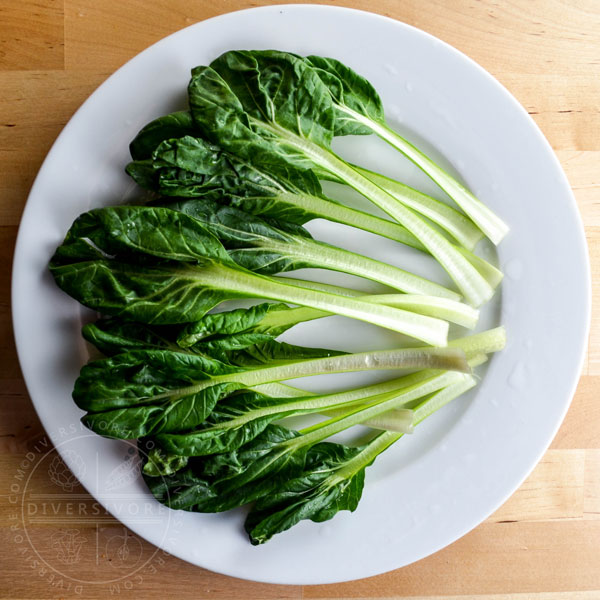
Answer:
(432, 487)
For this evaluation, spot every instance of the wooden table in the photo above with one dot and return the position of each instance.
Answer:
(544, 543)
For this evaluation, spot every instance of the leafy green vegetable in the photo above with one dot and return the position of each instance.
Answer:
(245, 337)
(278, 461)
(255, 409)
(358, 109)
(235, 337)
(141, 392)
(263, 248)
(317, 493)
(334, 481)
(270, 107)
(113, 335)
(192, 167)
(239, 175)
(160, 266)
(242, 417)
(174, 125)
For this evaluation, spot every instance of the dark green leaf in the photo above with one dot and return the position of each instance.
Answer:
(247, 100)
(151, 295)
(184, 490)
(266, 454)
(137, 231)
(241, 320)
(112, 335)
(349, 90)
(279, 88)
(313, 494)
(219, 433)
(250, 241)
(144, 174)
(174, 125)
(149, 264)
(137, 393)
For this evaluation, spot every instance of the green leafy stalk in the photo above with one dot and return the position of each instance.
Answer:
(235, 337)
(134, 394)
(442, 308)
(455, 223)
(160, 266)
(255, 98)
(275, 456)
(242, 417)
(359, 109)
(334, 481)
(237, 477)
(476, 348)
(264, 248)
(191, 167)
(245, 416)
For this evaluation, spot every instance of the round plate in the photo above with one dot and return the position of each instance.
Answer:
(432, 487)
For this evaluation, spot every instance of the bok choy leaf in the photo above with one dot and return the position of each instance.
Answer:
(333, 480)
(263, 248)
(140, 392)
(160, 266)
(271, 106)
(358, 110)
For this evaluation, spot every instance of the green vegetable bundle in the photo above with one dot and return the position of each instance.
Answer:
(236, 178)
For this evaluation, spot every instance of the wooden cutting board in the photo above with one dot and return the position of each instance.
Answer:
(543, 544)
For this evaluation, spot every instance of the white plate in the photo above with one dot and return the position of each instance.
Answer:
(430, 489)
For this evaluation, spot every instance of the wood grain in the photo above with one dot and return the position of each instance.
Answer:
(36, 106)
(581, 427)
(494, 558)
(591, 497)
(555, 490)
(32, 35)
(543, 543)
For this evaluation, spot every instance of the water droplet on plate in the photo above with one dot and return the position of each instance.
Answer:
(391, 69)
(409, 87)
(513, 269)
(518, 377)
(396, 113)
(508, 307)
